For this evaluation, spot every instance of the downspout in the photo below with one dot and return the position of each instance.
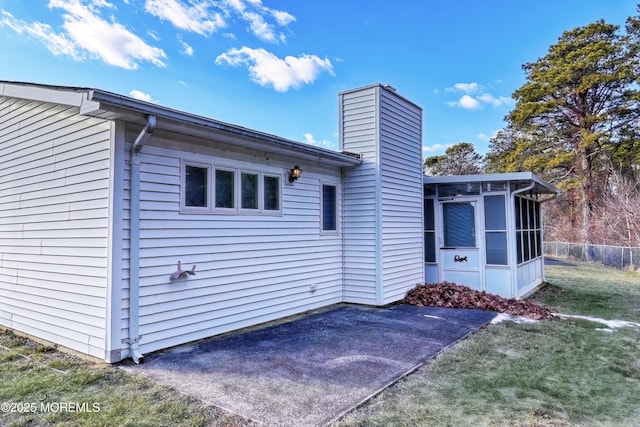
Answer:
(134, 241)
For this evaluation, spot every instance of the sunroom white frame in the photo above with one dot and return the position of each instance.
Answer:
(511, 280)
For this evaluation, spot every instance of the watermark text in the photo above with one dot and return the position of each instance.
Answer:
(45, 407)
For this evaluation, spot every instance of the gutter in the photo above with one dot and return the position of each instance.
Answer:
(102, 100)
(134, 242)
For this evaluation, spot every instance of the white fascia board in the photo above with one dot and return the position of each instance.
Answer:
(492, 177)
(58, 95)
(111, 106)
(175, 120)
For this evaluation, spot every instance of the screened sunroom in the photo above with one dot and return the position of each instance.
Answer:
(486, 231)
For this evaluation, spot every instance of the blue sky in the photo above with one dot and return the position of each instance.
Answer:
(277, 66)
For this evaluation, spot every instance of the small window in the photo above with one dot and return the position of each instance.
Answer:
(196, 179)
(248, 190)
(225, 189)
(329, 208)
(429, 231)
(271, 193)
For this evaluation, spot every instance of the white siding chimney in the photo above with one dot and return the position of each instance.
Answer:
(383, 229)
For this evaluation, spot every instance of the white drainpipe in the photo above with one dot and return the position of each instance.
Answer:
(134, 241)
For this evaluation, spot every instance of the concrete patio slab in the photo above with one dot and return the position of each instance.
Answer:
(312, 370)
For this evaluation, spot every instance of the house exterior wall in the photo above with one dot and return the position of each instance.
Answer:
(54, 223)
(358, 134)
(249, 268)
(401, 200)
(383, 197)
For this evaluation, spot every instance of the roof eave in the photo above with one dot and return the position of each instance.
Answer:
(113, 106)
(542, 186)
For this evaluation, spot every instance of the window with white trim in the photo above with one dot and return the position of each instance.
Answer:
(225, 189)
(329, 207)
(495, 226)
(429, 231)
(207, 188)
(271, 192)
(249, 190)
(196, 186)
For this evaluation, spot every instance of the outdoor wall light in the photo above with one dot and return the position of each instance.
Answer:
(295, 173)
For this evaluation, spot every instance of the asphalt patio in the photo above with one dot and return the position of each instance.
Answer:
(313, 369)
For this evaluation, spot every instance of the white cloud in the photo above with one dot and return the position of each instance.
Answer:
(467, 87)
(236, 5)
(282, 17)
(475, 97)
(208, 16)
(310, 139)
(102, 3)
(187, 49)
(198, 18)
(495, 101)
(467, 102)
(259, 27)
(87, 34)
(153, 35)
(255, 13)
(434, 148)
(267, 69)
(110, 41)
(58, 44)
(137, 94)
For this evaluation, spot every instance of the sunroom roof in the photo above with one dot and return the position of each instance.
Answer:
(520, 179)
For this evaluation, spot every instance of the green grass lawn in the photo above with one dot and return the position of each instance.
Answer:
(552, 373)
(38, 381)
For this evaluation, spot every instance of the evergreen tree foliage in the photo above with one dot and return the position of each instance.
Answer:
(576, 118)
(459, 159)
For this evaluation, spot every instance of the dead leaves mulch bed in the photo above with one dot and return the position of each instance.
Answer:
(450, 295)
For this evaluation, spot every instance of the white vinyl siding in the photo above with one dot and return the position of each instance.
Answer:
(383, 197)
(401, 195)
(54, 223)
(361, 217)
(250, 268)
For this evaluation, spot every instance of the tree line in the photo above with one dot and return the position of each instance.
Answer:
(576, 123)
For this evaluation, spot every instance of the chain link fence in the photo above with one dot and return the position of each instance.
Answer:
(622, 257)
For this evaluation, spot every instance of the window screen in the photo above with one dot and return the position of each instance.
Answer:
(528, 229)
(495, 225)
(459, 225)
